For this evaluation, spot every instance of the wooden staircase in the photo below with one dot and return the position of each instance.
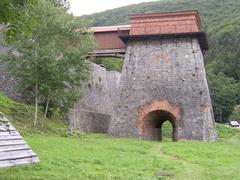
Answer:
(13, 149)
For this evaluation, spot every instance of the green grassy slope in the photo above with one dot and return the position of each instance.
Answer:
(102, 157)
(22, 117)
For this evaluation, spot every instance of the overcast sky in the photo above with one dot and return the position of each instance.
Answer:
(80, 7)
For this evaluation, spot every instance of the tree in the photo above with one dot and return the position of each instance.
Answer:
(62, 3)
(51, 62)
(11, 12)
(224, 93)
(235, 114)
(11, 9)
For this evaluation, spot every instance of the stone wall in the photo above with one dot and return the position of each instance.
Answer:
(166, 75)
(93, 111)
(8, 85)
(90, 122)
(113, 80)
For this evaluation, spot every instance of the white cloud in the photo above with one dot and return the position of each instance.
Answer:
(80, 7)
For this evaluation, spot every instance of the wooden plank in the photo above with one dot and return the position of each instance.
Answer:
(27, 160)
(3, 128)
(6, 164)
(10, 137)
(12, 142)
(11, 163)
(14, 148)
(16, 155)
(7, 133)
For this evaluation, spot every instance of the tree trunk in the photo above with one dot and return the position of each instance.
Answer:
(46, 111)
(36, 104)
(36, 89)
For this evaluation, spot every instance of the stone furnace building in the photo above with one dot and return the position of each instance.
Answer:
(163, 79)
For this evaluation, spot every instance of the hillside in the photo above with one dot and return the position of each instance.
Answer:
(221, 21)
(22, 116)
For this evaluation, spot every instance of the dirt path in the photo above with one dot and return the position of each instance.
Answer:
(187, 170)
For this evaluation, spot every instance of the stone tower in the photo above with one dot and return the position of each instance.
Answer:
(163, 78)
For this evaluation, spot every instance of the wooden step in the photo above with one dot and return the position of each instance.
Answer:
(4, 133)
(11, 142)
(10, 137)
(14, 148)
(12, 155)
(11, 163)
(3, 128)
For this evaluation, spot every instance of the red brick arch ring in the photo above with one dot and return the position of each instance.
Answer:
(162, 105)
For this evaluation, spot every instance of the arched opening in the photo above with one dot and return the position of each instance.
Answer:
(153, 125)
(167, 131)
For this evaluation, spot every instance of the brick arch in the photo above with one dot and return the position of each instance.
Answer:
(156, 105)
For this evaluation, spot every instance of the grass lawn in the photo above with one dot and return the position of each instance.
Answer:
(98, 156)
(101, 157)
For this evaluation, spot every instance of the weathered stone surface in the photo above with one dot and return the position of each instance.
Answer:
(165, 75)
(8, 85)
(91, 122)
(113, 80)
(95, 93)
(93, 111)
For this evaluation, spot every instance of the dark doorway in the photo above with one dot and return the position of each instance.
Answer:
(153, 125)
